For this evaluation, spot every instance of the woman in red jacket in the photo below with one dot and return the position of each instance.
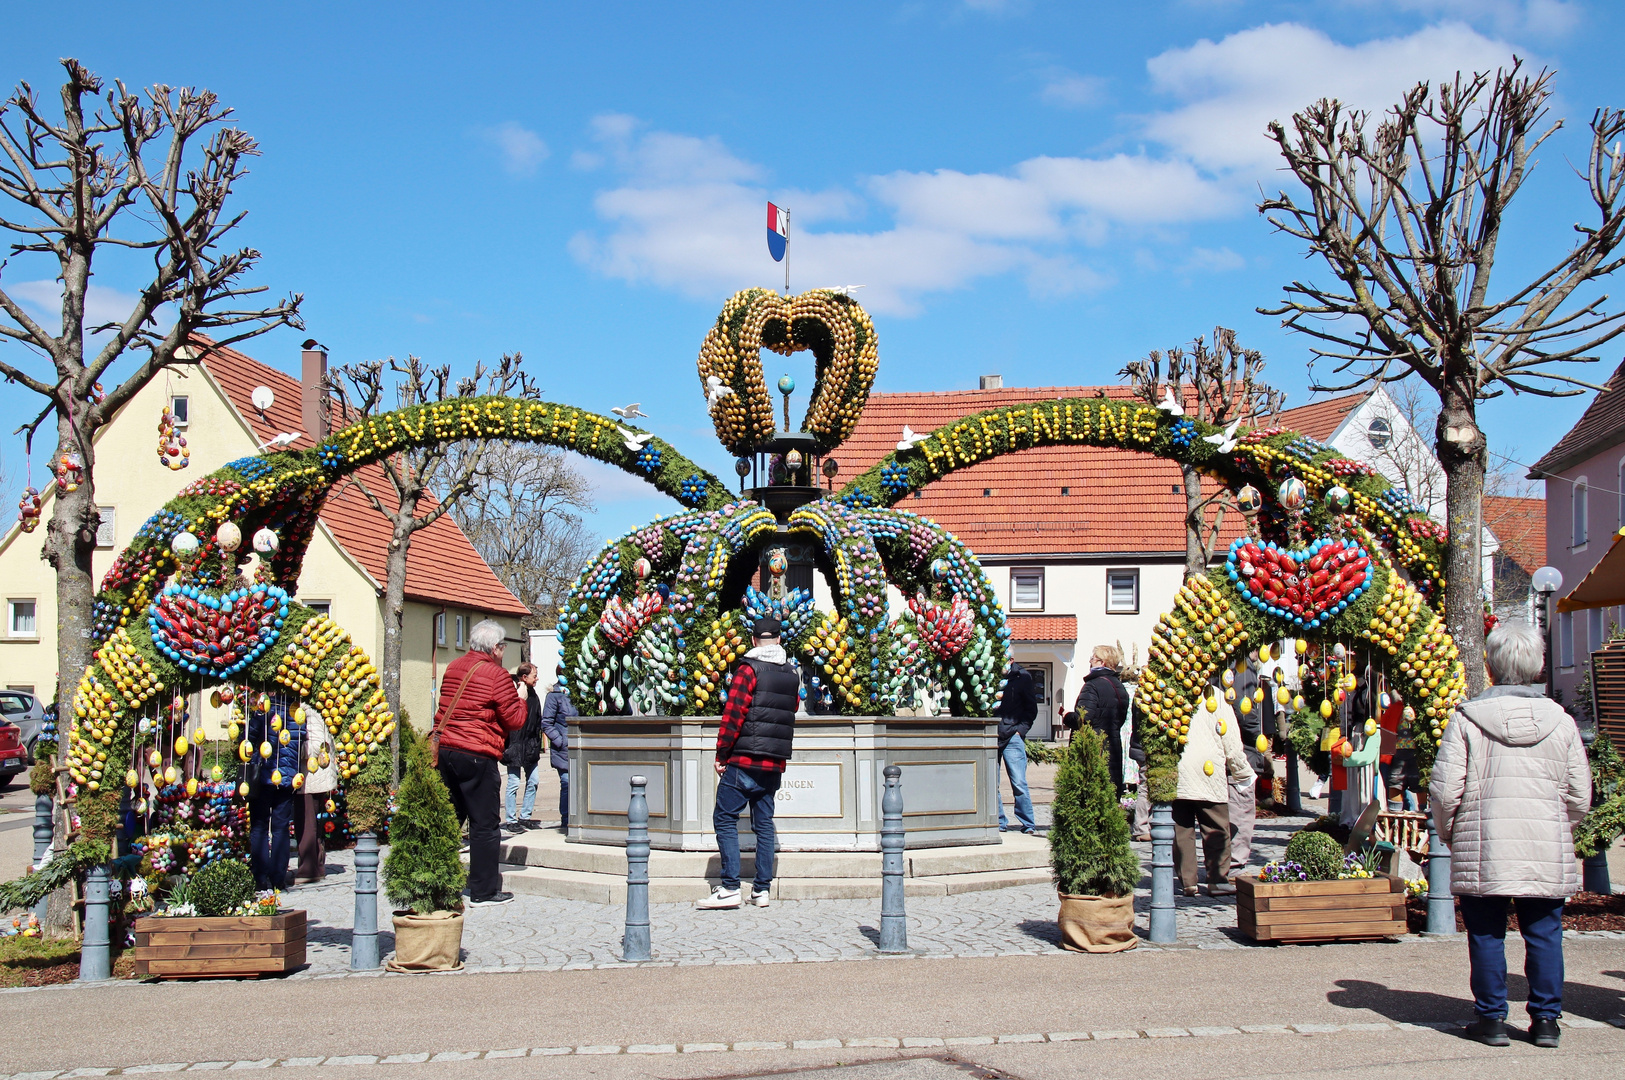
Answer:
(478, 707)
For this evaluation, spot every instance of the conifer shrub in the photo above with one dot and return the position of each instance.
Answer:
(221, 887)
(1090, 852)
(422, 872)
(1318, 853)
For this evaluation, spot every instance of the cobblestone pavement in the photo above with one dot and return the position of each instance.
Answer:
(542, 933)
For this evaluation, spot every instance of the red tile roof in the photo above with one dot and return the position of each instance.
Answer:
(442, 566)
(1601, 426)
(1520, 526)
(1043, 627)
(1117, 501)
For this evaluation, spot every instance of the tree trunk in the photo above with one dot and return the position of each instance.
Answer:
(1195, 556)
(1463, 457)
(394, 631)
(70, 541)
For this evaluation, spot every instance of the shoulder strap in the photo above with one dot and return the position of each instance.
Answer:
(446, 710)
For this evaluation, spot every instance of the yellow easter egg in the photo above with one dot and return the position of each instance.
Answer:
(242, 789)
(265, 749)
(131, 779)
(276, 777)
(1326, 709)
(191, 785)
(170, 775)
(1245, 705)
(181, 745)
(1370, 728)
(1262, 745)
(155, 759)
(1207, 767)
(283, 736)
(1223, 727)
(298, 781)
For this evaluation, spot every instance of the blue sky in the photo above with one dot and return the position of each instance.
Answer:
(1042, 190)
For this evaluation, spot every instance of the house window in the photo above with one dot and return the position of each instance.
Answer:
(1565, 640)
(320, 607)
(1596, 627)
(1027, 589)
(180, 409)
(1123, 592)
(106, 526)
(1580, 497)
(462, 630)
(1379, 433)
(440, 628)
(21, 620)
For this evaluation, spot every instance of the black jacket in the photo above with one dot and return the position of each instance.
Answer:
(1019, 707)
(1103, 704)
(769, 729)
(524, 747)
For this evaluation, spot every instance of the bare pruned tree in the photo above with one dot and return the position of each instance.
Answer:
(135, 171)
(524, 517)
(419, 473)
(1409, 218)
(1219, 385)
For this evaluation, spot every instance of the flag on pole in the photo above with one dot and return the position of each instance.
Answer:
(778, 231)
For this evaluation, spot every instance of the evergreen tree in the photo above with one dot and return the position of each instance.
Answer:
(1089, 840)
(423, 872)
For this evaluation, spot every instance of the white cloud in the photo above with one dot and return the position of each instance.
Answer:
(1073, 91)
(1547, 18)
(521, 149)
(43, 301)
(1234, 87)
(1212, 260)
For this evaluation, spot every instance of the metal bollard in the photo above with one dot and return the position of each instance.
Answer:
(893, 918)
(364, 932)
(1596, 877)
(1441, 904)
(635, 943)
(96, 950)
(43, 809)
(1164, 922)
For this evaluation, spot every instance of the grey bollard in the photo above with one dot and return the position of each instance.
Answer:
(43, 808)
(893, 918)
(1441, 903)
(96, 950)
(1164, 921)
(364, 932)
(635, 943)
(1596, 879)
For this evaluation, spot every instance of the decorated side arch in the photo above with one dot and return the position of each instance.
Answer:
(657, 617)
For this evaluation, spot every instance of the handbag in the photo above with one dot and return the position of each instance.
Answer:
(444, 714)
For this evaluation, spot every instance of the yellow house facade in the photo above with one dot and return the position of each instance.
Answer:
(449, 587)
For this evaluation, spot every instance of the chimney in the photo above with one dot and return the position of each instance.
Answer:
(312, 390)
(992, 382)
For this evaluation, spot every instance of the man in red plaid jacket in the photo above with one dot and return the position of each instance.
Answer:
(753, 744)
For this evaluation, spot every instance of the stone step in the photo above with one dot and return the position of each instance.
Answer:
(606, 889)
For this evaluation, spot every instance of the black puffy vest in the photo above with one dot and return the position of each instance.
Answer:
(771, 723)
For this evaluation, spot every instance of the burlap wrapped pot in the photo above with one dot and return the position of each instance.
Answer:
(432, 942)
(1097, 923)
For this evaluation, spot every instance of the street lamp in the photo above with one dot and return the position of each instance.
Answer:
(1546, 581)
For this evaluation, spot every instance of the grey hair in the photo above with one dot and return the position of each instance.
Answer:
(1514, 653)
(487, 636)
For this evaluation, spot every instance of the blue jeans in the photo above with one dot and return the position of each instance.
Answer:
(270, 812)
(738, 788)
(529, 808)
(1541, 921)
(1015, 763)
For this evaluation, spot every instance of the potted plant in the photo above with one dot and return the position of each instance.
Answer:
(423, 875)
(1095, 867)
(215, 924)
(1319, 892)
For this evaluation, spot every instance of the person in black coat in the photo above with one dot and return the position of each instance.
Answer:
(1103, 705)
(1017, 710)
(523, 754)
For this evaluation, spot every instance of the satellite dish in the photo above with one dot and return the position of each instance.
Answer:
(262, 398)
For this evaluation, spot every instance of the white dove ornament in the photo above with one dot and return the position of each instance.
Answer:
(910, 440)
(1168, 404)
(634, 440)
(1225, 440)
(715, 390)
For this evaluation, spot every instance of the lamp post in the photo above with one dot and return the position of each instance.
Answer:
(1546, 581)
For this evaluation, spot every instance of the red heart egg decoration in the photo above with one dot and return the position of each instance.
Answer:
(217, 635)
(1307, 588)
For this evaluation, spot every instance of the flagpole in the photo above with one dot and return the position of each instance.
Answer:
(787, 253)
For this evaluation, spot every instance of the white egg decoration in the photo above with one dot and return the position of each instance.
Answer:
(184, 543)
(266, 542)
(228, 536)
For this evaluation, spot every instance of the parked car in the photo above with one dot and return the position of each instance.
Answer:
(23, 709)
(13, 758)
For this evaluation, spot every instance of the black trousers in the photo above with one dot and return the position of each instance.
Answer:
(476, 792)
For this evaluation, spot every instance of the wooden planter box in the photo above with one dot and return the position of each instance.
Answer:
(229, 945)
(1354, 910)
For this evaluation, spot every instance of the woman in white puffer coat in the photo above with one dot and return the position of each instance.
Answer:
(1510, 783)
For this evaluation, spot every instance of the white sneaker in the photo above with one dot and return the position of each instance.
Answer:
(719, 898)
(761, 897)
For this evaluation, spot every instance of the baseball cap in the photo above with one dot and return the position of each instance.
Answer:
(765, 627)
